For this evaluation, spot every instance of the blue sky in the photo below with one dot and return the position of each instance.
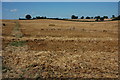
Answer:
(60, 0)
(14, 10)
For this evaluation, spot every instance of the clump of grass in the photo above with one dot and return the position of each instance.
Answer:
(18, 43)
(51, 24)
(20, 35)
(21, 75)
(5, 69)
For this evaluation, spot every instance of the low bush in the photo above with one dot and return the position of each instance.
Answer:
(51, 24)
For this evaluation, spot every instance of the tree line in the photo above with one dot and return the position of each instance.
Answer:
(98, 18)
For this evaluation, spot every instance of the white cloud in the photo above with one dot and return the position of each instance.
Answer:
(13, 10)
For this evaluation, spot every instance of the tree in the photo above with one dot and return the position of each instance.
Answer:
(113, 16)
(43, 17)
(102, 19)
(119, 17)
(82, 17)
(96, 20)
(91, 17)
(87, 17)
(116, 18)
(22, 19)
(28, 16)
(74, 17)
(34, 17)
(97, 17)
(37, 17)
(105, 17)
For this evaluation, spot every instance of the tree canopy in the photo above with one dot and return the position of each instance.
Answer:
(74, 17)
(28, 16)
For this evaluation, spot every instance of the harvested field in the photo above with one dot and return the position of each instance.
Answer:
(69, 29)
(60, 49)
(6, 30)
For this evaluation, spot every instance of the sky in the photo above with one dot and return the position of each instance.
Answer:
(14, 10)
(60, 0)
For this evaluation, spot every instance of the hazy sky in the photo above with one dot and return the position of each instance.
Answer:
(14, 10)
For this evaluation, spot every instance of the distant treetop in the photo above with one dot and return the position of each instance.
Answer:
(28, 16)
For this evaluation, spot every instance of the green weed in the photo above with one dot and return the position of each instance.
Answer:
(18, 43)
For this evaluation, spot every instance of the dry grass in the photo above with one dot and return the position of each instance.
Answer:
(69, 29)
(67, 49)
(6, 30)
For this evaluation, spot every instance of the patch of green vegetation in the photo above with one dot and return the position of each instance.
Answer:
(16, 28)
(5, 69)
(21, 75)
(20, 35)
(18, 43)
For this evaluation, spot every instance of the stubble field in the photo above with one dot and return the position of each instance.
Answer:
(59, 49)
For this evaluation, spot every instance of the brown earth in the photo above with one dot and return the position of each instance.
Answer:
(61, 49)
